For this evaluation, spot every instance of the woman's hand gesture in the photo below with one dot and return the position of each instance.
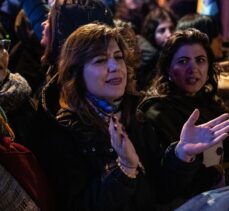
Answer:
(195, 139)
(122, 144)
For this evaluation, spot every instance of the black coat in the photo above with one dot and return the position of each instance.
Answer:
(168, 115)
(74, 155)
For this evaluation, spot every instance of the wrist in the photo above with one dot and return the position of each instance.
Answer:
(129, 172)
(182, 155)
(127, 165)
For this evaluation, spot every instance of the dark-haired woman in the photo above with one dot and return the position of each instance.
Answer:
(187, 80)
(95, 152)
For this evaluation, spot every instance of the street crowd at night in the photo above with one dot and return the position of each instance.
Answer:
(114, 105)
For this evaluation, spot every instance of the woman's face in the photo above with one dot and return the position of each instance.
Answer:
(105, 75)
(45, 33)
(163, 31)
(189, 68)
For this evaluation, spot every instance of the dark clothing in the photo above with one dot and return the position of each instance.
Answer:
(148, 60)
(25, 59)
(134, 16)
(74, 155)
(69, 17)
(168, 115)
(16, 102)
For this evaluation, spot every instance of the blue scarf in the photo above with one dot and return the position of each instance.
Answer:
(102, 107)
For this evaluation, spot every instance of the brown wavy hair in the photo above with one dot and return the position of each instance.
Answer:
(81, 46)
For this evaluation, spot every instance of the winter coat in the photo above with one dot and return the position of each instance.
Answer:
(168, 115)
(80, 162)
(148, 60)
(15, 101)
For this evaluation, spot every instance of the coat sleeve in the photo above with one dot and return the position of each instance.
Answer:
(79, 179)
(176, 175)
(13, 92)
(171, 176)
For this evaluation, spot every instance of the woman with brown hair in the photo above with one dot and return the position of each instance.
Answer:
(158, 26)
(95, 152)
(187, 80)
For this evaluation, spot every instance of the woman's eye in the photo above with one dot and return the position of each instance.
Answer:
(201, 60)
(120, 57)
(99, 60)
(161, 31)
(182, 61)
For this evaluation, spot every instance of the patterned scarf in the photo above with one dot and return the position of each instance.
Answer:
(104, 109)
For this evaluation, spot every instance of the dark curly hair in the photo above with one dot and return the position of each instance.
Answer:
(162, 85)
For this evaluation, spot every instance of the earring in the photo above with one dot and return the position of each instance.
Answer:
(170, 78)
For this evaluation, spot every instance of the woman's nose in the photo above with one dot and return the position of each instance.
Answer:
(112, 65)
(193, 66)
(168, 33)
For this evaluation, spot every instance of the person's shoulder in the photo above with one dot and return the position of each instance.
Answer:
(146, 48)
(67, 118)
(153, 102)
(153, 106)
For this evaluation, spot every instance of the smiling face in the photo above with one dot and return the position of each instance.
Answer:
(189, 68)
(105, 75)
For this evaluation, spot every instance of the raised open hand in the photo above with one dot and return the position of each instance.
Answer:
(122, 144)
(195, 139)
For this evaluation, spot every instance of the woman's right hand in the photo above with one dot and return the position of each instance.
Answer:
(195, 139)
(122, 145)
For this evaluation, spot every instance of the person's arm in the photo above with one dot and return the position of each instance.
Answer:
(78, 173)
(14, 89)
(182, 160)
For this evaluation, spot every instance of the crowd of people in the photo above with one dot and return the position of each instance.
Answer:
(118, 101)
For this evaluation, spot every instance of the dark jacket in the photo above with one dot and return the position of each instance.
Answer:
(168, 115)
(16, 102)
(148, 60)
(74, 155)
